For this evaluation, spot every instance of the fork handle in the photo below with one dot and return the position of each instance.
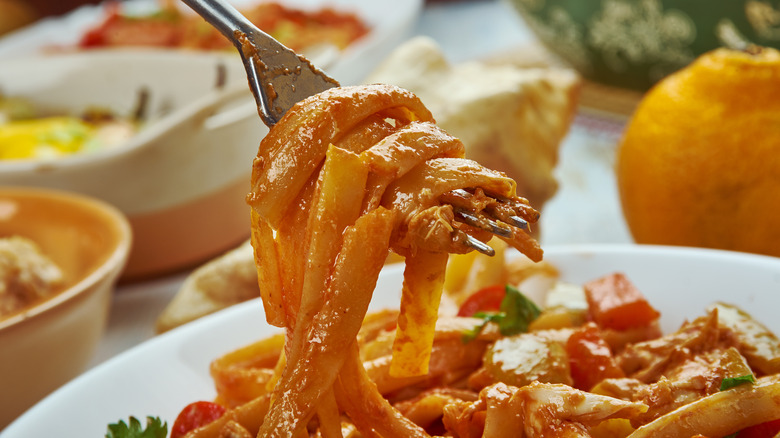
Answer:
(282, 78)
(224, 17)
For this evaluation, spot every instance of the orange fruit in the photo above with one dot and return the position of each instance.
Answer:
(699, 162)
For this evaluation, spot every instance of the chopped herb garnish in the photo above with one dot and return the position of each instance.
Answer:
(486, 317)
(155, 428)
(519, 310)
(516, 313)
(730, 382)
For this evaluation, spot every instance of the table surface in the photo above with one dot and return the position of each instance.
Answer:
(584, 210)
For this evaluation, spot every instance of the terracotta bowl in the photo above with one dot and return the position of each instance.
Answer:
(44, 346)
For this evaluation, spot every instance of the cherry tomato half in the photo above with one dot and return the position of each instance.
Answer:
(770, 428)
(195, 415)
(487, 299)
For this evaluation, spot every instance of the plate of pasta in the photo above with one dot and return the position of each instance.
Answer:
(684, 285)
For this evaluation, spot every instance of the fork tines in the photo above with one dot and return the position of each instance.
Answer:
(463, 238)
(495, 214)
(482, 222)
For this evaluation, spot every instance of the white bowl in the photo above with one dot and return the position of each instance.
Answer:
(44, 346)
(183, 178)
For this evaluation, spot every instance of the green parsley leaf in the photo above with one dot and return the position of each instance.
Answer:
(490, 316)
(516, 313)
(486, 317)
(470, 335)
(155, 428)
(730, 382)
(519, 311)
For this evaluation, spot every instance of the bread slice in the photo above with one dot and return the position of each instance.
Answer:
(229, 279)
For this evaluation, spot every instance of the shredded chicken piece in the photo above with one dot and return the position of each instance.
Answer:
(648, 361)
(535, 410)
(26, 274)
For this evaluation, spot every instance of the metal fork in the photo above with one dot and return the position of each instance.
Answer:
(278, 77)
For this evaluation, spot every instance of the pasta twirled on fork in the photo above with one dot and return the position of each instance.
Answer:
(346, 176)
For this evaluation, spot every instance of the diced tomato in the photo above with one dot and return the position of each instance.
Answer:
(590, 358)
(487, 299)
(195, 415)
(614, 302)
(96, 37)
(768, 429)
